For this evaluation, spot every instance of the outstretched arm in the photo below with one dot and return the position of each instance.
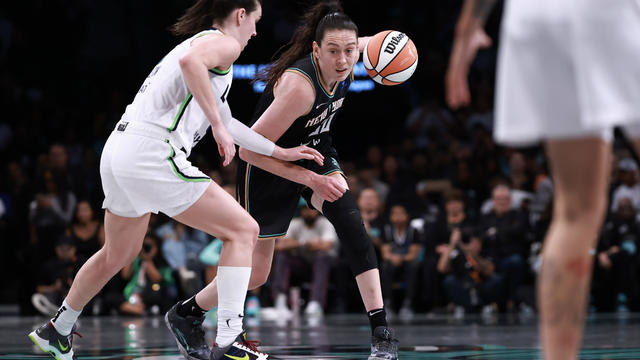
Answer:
(469, 38)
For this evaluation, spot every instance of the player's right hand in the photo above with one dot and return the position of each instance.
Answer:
(465, 48)
(329, 188)
(226, 146)
(298, 153)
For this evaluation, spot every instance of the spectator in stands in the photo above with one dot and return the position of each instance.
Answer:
(470, 281)
(400, 260)
(436, 239)
(86, 232)
(505, 241)
(309, 248)
(150, 282)
(615, 283)
(50, 212)
(369, 205)
(629, 186)
(181, 247)
(56, 277)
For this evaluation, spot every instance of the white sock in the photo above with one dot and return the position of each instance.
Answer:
(233, 282)
(65, 318)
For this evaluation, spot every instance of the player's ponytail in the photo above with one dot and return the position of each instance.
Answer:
(323, 16)
(201, 15)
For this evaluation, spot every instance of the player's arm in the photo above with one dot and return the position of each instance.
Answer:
(293, 97)
(208, 52)
(469, 38)
(215, 51)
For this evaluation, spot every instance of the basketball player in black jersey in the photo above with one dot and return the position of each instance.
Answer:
(305, 89)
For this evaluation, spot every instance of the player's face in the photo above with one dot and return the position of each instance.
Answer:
(248, 22)
(336, 54)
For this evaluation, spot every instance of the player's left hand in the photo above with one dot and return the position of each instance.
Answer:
(466, 45)
(298, 153)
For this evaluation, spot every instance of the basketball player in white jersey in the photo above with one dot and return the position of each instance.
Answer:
(568, 71)
(144, 169)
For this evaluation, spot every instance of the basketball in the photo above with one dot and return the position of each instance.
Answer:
(390, 57)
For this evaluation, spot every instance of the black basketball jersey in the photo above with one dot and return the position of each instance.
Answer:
(313, 128)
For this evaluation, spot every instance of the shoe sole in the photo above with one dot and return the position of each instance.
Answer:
(37, 340)
(183, 351)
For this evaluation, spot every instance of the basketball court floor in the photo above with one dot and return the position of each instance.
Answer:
(608, 336)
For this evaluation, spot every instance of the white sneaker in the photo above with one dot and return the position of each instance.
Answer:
(314, 309)
(281, 306)
(458, 312)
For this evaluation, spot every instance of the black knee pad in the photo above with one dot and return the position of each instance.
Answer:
(345, 217)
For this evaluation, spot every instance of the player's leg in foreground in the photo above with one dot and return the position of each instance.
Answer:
(123, 240)
(217, 213)
(580, 171)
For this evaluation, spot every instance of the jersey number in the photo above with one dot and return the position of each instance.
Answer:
(324, 127)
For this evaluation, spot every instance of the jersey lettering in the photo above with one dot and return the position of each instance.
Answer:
(326, 125)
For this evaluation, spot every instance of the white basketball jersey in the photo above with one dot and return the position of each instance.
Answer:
(164, 99)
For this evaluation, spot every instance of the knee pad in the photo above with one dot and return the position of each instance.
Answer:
(345, 218)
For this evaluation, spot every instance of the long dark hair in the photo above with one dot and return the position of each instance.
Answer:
(203, 13)
(323, 16)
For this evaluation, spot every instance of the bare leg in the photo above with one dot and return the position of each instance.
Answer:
(368, 281)
(217, 213)
(262, 258)
(123, 240)
(580, 171)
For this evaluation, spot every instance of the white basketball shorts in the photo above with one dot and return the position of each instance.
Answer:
(567, 69)
(142, 172)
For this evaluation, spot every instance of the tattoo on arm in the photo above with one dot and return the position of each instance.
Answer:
(482, 8)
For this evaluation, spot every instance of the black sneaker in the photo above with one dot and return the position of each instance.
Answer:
(189, 334)
(384, 345)
(240, 349)
(50, 341)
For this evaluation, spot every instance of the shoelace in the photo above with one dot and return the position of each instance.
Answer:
(71, 337)
(253, 345)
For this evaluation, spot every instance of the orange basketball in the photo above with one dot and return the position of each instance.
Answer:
(390, 57)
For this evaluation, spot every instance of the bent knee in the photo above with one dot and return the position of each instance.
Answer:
(258, 278)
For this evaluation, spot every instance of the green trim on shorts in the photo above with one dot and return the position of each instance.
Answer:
(272, 235)
(179, 173)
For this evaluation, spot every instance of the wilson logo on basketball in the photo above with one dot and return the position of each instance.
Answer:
(395, 40)
(390, 57)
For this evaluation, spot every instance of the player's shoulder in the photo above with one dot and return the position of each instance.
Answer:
(295, 84)
(224, 44)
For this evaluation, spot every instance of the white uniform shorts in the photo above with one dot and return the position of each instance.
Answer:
(142, 172)
(568, 69)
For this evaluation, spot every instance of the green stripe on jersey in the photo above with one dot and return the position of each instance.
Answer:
(176, 120)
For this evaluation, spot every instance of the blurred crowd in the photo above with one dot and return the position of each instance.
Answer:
(458, 221)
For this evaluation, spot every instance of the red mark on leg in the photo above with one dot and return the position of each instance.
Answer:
(580, 267)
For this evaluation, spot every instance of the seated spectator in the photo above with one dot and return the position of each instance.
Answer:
(615, 284)
(629, 186)
(400, 262)
(309, 248)
(505, 241)
(150, 283)
(436, 237)
(471, 281)
(369, 205)
(86, 232)
(181, 247)
(50, 212)
(56, 277)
